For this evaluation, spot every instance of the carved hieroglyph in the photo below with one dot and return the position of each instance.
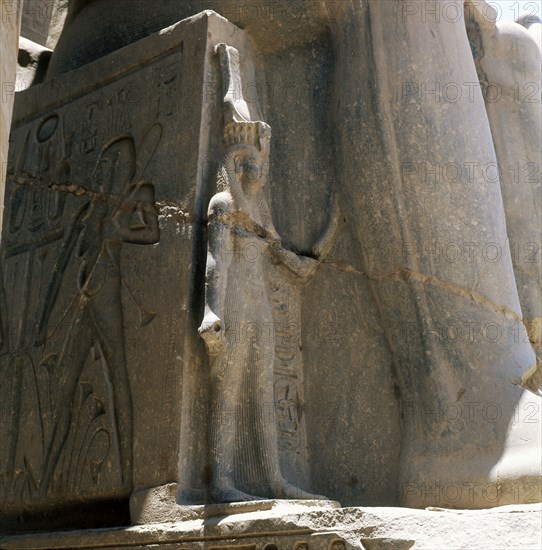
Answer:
(68, 351)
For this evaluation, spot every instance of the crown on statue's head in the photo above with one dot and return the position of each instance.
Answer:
(247, 133)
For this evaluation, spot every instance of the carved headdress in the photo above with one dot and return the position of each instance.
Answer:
(239, 126)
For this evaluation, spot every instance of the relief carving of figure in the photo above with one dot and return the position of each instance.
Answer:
(119, 211)
(243, 436)
(238, 324)
(238, 327)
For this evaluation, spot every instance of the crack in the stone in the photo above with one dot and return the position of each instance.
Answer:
(407, 275)
(164, 207)
(530, 276)
(404, 275)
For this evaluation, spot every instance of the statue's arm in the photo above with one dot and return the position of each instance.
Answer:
(219, 253)
(301, 267)
(263, 206)
(304, 267)
(323, 247)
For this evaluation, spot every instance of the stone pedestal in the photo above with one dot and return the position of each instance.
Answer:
(287, 526)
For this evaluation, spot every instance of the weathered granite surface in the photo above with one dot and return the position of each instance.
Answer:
(36, 20)
(399, 371)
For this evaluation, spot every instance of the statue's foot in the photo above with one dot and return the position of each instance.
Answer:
(228, 493)
(287, 490)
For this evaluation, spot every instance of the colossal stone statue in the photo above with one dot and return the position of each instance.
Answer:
(414, 325)
(396, 135)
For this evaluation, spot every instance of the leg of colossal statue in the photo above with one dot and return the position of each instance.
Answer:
(417, 169)
(509, 61)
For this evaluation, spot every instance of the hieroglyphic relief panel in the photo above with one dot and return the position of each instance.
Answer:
(288, 372)
(62, 250)
(286, 298)
(97, 267)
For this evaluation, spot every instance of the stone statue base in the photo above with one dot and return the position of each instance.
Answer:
(286, 526)
(159, 505)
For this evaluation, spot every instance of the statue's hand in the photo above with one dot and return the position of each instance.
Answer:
(212, 332)
(302, 267)
(277, 251)
(273, 237)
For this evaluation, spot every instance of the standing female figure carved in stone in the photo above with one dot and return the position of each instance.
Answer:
(238, 324)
